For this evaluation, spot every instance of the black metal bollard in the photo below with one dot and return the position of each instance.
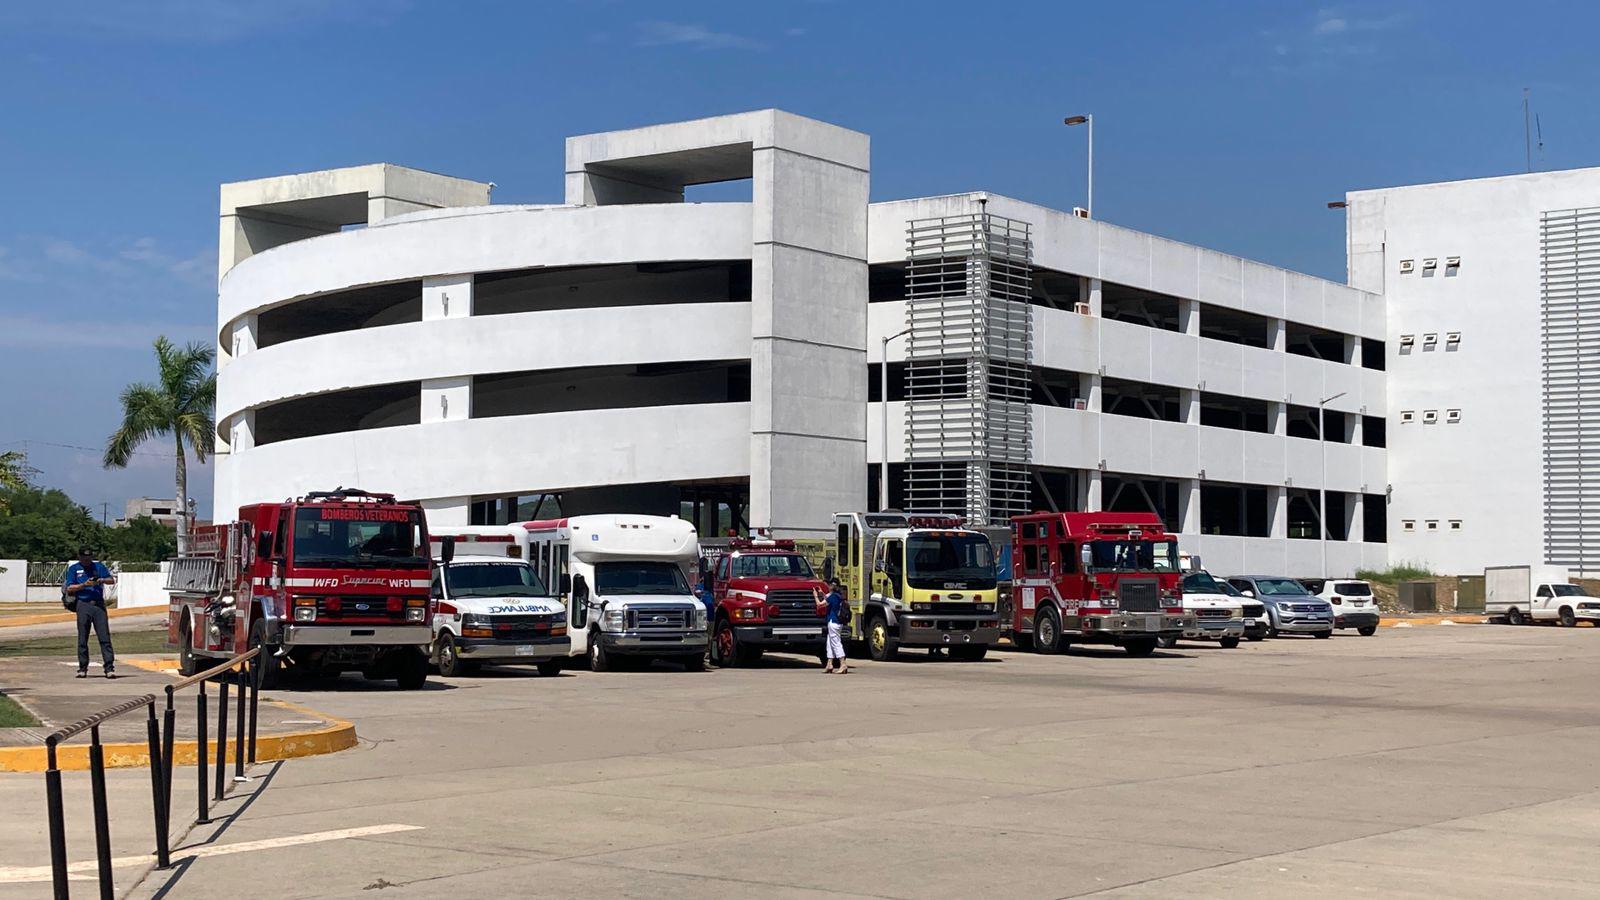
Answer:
(102, 823)
(200, 752)
(238, 732)
(219, 790)
(157, 791)
(169, 723)
(58, 823)
(254, 690)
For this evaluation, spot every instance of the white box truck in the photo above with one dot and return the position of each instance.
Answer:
(1524, 594)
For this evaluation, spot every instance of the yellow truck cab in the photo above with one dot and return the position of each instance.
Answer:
(917, 581)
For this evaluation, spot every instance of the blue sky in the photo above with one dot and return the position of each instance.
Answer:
(1224, 124)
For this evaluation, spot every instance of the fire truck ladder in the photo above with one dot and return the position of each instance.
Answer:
(969, 429)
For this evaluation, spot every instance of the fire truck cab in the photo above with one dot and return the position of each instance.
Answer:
(1095, 578)
(324, 583)
(625, 579)
(763, 599)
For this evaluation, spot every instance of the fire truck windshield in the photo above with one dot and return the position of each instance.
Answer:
(507, 579)
(771, 565)
(1133, 556)
(940, 560)
(639, 577)
(360, 537)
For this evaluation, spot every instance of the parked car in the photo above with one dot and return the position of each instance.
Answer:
(1291, 609)
(1352, 600)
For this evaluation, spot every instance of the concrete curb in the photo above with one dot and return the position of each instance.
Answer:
(52, 618)
(331, 738)
(1451, 619)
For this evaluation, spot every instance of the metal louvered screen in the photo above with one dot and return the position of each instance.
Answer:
(969, 429)
(1569, 242)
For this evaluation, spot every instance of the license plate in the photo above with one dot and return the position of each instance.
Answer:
(524, 649)
(1152, 624)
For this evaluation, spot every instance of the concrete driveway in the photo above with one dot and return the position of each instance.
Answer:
(1447, 760)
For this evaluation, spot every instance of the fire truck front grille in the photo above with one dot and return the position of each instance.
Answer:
(1253, 610)
(793, 604)
(1139, 596)
(1211, 613)
(659, 618)
(358, 609)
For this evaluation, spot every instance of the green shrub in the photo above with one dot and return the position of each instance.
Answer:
(1396, 573)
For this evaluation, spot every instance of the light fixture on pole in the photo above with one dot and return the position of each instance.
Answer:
(1322, 484)
(883, 404)
(1089, 121)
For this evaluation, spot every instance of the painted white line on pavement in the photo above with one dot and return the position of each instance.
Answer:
(16, 874)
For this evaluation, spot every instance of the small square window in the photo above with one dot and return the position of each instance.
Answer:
(1409, 525)
(1453, 337)
(1407, 340)
(1429, 265)
(1407, 265)
(1407, 416)
(1428, 340)
(1452, 416)
(1433, 524)
(1455, 524)
(1452, 262)
(1430, 416)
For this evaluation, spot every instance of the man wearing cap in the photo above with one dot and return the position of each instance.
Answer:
(85, 583)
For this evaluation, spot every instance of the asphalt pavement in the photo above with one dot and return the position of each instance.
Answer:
(1430, 761)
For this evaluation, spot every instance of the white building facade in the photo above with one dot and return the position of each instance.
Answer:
(628, 351)
(1493, 295)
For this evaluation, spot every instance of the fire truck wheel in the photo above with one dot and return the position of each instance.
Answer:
(882, 644)
(186, 661)
(1047, 631)
(450, 663)
(599, 659)
(412, 670)
(1228, 643)
(268, 667)
(725, 647)
(1166, 642)
(1139, 646)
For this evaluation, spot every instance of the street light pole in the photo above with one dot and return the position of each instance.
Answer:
(1322, 482)
(883, 404)
(1089, 121)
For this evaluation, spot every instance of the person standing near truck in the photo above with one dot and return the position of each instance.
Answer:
(837, 614)
(85, 585)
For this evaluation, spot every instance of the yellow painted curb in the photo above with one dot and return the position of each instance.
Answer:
(1457, 619)
(51, 618)
(331, 738)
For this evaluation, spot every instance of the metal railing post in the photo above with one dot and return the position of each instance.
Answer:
(218, 790)
(238, 731)
(102, 823)
(157, 793)
(169, 724)
(200, 752)
(255, 689)
(58, 822)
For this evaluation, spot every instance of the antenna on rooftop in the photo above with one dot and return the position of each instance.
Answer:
(1527, 134)
(1538, 133)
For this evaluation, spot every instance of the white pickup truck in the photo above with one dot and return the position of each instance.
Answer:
(1524, 594)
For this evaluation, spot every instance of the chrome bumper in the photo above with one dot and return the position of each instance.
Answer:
(655, 641)
(347, 635)
(1212, 629)
(1128, 624)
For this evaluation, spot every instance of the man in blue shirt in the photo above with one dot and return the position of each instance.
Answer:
(85, 583)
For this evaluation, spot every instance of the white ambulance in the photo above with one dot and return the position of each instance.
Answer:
(488, 605)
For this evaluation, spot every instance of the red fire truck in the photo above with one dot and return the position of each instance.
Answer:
(763, 601)
(329, 582)
(1095, 578)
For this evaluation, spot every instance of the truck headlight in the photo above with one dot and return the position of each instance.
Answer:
(305, 613)
(700, 616)
(415, 614)
(612, 620)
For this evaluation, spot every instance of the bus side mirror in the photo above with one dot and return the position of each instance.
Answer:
(1086, 556)
(447, 549)
(564, 584)
(264, 545)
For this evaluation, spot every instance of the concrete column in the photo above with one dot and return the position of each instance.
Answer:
(1356, 427)
(1277, 335)
(444, 512)
(446, 297)
(1191, 506)
(246, 330)
(1189, 317)
(1352, 350)
(1095, 295)
(242, 431)
(1356, 516)
(1090, 388)
(446, 399)
(1278, 418)
(1189, 406)
(1278, 509)
(1091, 490)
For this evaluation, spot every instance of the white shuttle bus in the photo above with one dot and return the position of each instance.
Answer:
(626, 582)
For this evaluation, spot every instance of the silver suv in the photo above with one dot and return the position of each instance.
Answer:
(1291, 609)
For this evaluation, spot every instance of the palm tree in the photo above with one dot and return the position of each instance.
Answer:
(180, 405)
